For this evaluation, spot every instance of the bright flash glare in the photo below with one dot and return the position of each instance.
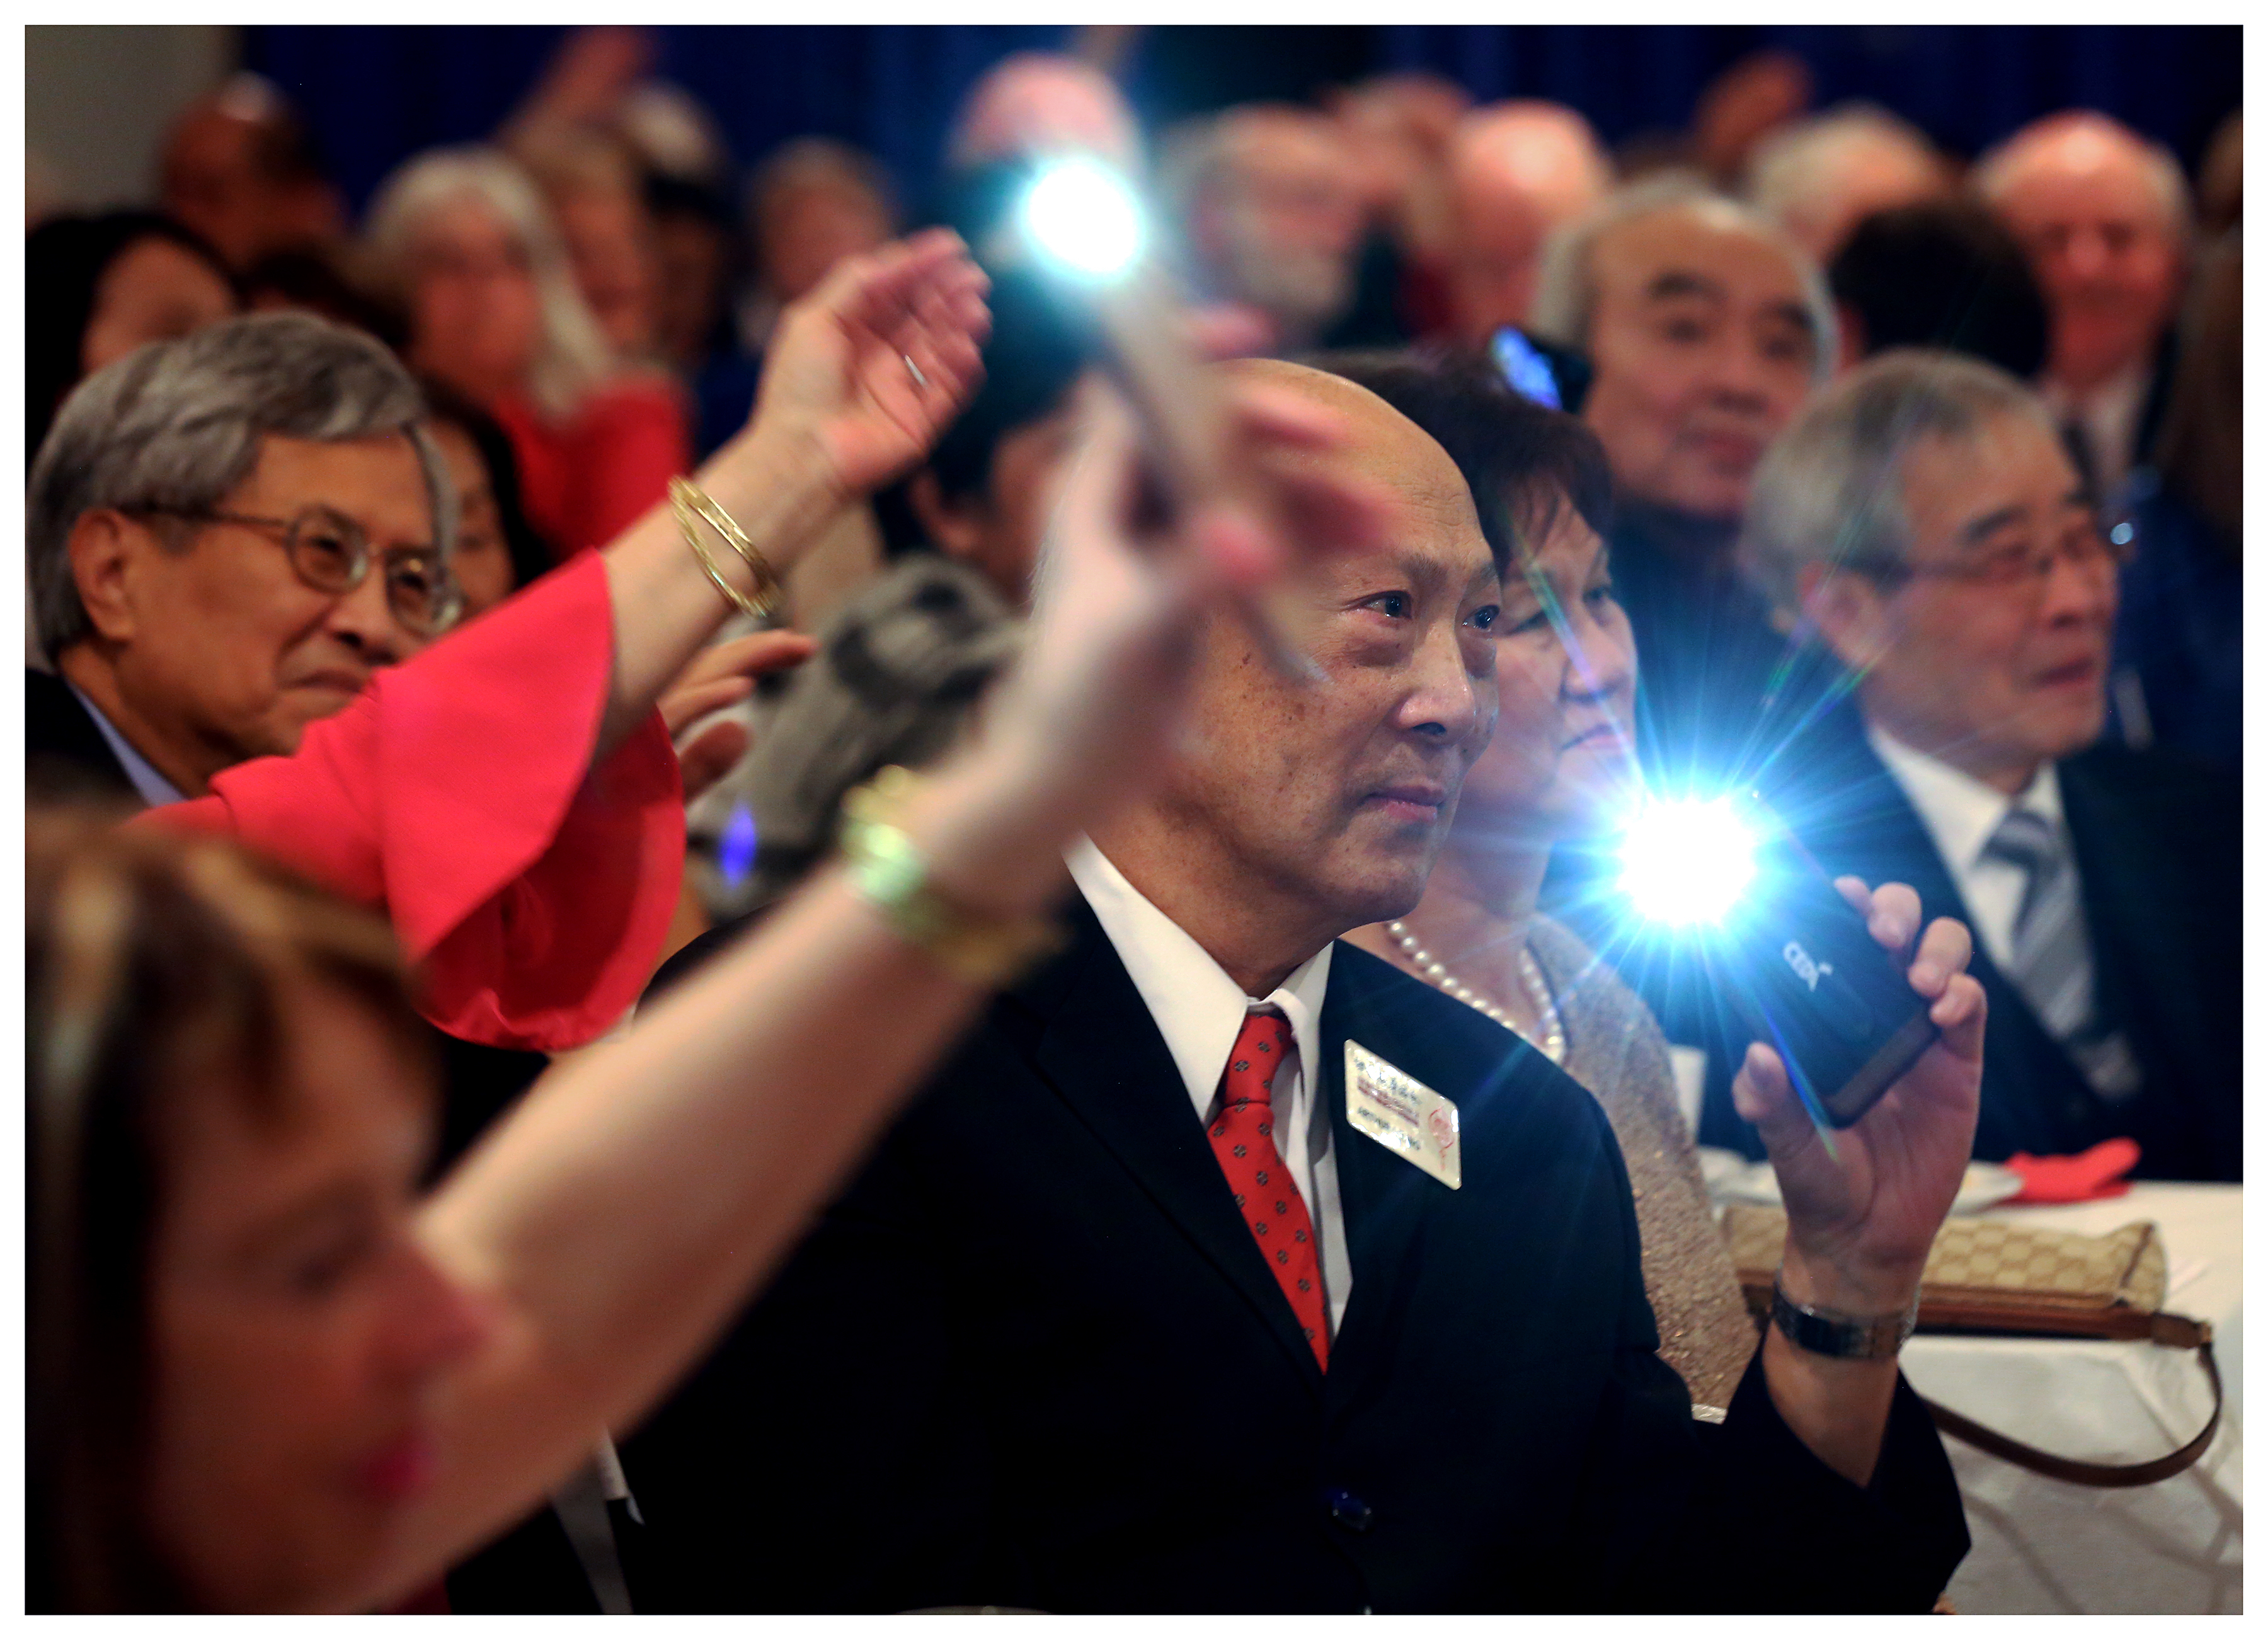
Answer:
(1687, 862)
(1084, 216)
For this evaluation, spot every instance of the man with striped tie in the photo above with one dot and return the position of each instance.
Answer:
(1925, 516)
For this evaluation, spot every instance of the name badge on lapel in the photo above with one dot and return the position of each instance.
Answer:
(1403, 1114)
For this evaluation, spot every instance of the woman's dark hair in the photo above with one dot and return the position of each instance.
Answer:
(1944, 274)
(1521, 461)
(530, 554)
(64, 260)
(1031, 360)
(153, 963)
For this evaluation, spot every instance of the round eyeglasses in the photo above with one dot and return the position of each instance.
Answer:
(331, 554)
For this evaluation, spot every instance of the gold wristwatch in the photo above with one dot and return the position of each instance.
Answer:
(891, 875)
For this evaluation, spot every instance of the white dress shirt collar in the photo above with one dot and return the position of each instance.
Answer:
(1961, 811)
(1961, 814)
(155, 789)
(1199, 1009)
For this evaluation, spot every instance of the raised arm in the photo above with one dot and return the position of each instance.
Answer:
(629, 1207)
(861, 377)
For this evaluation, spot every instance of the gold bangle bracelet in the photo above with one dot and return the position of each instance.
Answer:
(694, 507)
(889, 873)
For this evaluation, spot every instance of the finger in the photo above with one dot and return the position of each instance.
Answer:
(899, 273)
(1226, 332)
(1098, 484)
(1766, 1100)
(1269, 413)
(749, 656)
(1861, 898)
(710, 756)
(689, 704)
(1945, 950)
(1896, 917)
(1959, 1016)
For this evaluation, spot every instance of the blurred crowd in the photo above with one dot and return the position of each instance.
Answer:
(1903, 486)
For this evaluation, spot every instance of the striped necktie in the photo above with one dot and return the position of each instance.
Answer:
(2051, 962)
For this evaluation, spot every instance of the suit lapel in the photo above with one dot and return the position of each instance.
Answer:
(1099, 1048)
(1387, 1203)
(1859, 821)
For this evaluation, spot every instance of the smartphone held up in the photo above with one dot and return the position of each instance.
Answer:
(1781, 945)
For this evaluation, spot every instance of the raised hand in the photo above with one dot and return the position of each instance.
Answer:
(1860, 1223)
(1120, 593)
(872, 365)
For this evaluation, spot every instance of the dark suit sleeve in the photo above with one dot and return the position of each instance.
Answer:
(1688, 1516)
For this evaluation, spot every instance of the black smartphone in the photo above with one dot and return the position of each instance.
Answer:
(1797, 961)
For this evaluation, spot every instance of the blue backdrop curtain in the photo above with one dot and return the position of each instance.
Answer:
(374, 95)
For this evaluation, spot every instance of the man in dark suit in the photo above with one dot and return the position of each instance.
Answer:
(1227, 1268)
(66, 756)
(2104, 216)
(1975, 596)
(226, 535)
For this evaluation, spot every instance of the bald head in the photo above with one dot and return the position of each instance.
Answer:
(2104, 216)
(1299, 811)
(237, 168)
(1390, 449)
(1517, 171)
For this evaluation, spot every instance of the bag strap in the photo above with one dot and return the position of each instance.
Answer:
(2177, 1331)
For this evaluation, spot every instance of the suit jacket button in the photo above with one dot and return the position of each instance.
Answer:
(1348, 1510)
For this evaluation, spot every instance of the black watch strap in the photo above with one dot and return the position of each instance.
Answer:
(1834, 1333)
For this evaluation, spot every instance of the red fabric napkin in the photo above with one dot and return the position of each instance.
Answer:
(2089, 1176)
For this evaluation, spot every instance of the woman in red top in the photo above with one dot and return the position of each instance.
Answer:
(530, 860)
(263, 1373)
(494, 312)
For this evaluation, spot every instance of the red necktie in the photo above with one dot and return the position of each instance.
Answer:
(1243, 1141)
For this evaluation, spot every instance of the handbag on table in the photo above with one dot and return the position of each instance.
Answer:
(2001, 1275)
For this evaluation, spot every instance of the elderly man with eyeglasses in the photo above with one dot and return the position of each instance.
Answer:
(1927, 521)
(226, 538)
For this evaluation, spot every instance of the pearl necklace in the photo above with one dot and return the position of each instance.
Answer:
(1554, 1045)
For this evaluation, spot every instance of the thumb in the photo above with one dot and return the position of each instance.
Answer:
(1767, 1099)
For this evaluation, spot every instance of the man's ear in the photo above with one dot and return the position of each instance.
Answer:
(1849, 611)
(952, 525)
(104, 546)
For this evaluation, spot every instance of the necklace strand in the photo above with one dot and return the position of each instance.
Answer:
(1554, 1045)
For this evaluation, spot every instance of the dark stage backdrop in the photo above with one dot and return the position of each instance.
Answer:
(376, 94)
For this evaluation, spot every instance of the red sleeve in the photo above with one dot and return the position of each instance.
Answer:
(532, 891)
(628, 442)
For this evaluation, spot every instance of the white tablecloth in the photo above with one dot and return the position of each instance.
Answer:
(2049, 1546)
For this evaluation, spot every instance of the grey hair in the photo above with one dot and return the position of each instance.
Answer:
(1997, 169)
(1789, 165)
(1830, 489)
(1567, 286)
(177, 426)
(572, 356)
